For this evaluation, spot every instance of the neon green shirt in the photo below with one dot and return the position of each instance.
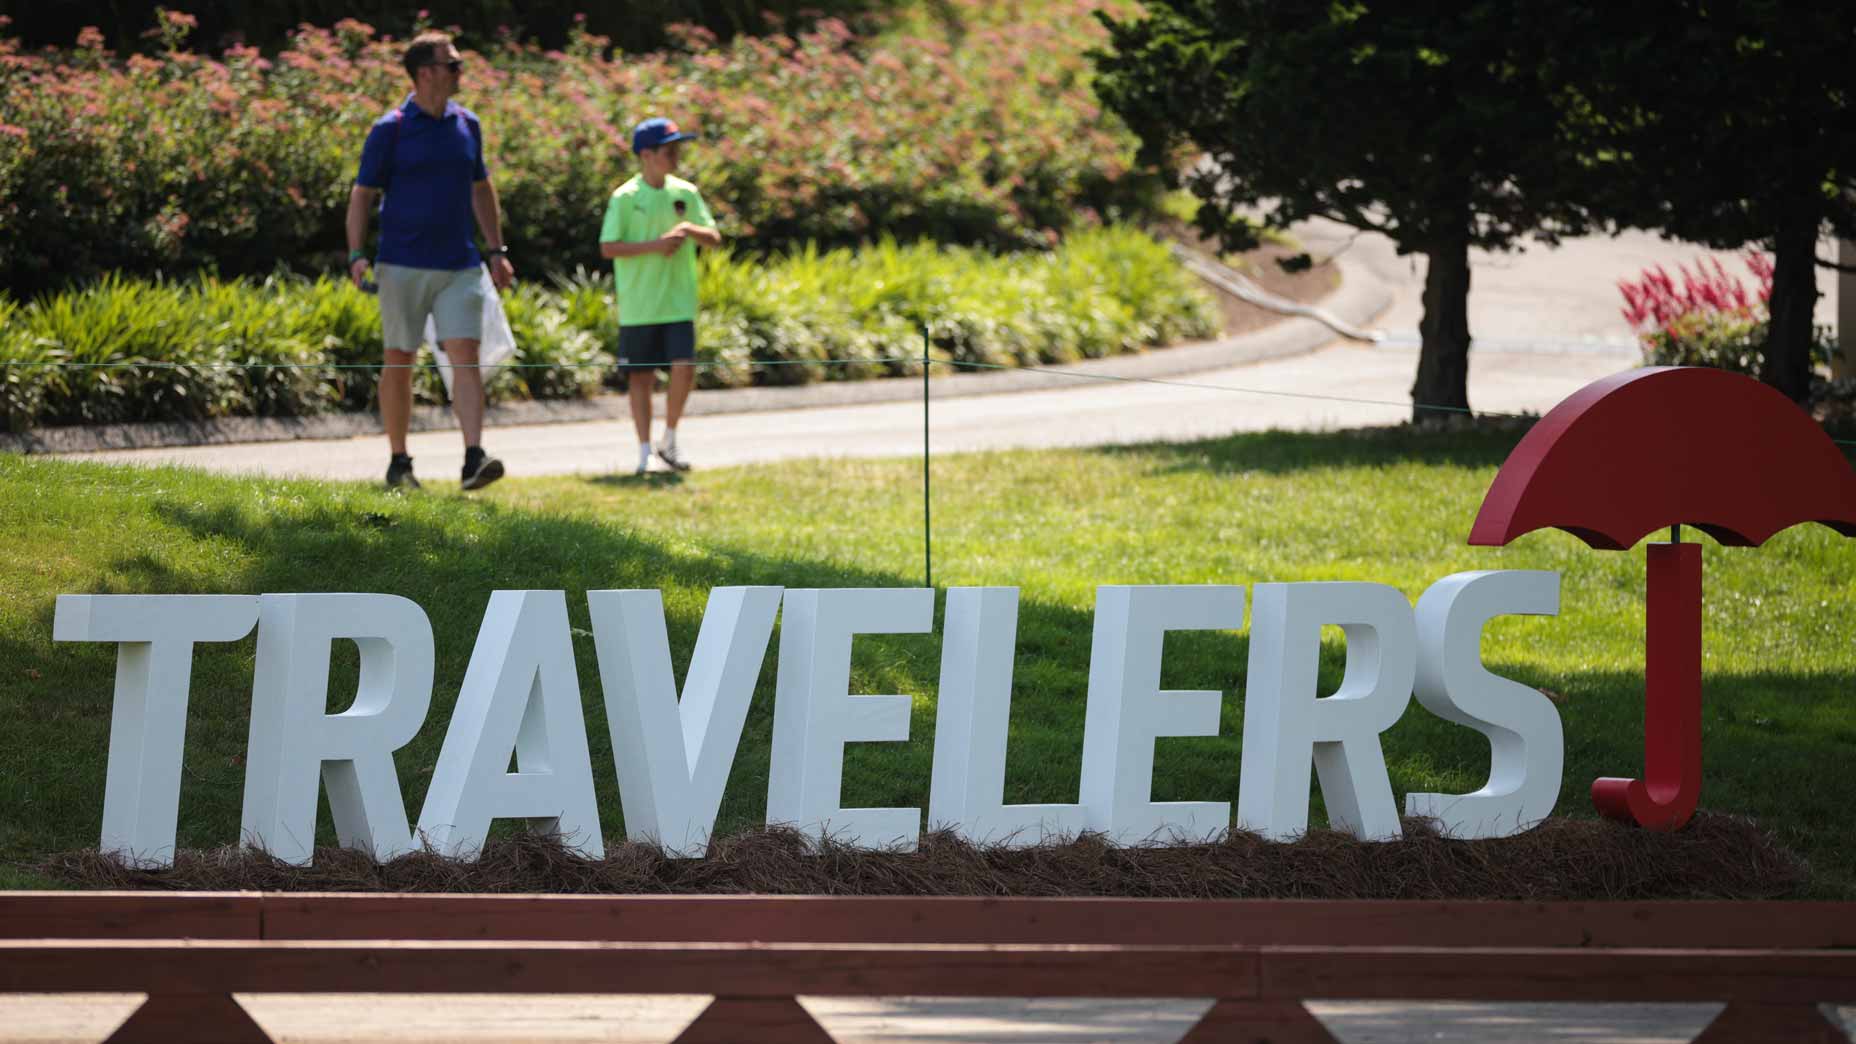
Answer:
(652, 288)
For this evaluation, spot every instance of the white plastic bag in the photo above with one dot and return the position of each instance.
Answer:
(498, 345)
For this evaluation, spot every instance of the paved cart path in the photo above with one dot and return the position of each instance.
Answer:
(1340, 386)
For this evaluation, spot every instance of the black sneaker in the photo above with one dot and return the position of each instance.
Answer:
(399, 473)
(480, 469)
(671, 456)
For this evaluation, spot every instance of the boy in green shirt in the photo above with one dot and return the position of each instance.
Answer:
(653, 223)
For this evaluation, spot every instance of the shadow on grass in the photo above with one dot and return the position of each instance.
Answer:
(1485, 445)
(648, 480)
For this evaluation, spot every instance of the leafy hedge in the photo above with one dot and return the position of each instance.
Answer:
(178, 162)
(124, 349)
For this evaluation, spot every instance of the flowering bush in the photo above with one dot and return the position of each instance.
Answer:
(175, 162)
(636, 25)
(1709, 319)
(139, 350)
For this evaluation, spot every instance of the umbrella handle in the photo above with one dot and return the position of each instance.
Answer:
(1666, 797)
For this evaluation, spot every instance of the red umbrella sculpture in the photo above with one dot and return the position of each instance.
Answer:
(1669, 446)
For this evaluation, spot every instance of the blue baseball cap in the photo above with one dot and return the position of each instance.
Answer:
(657, 131)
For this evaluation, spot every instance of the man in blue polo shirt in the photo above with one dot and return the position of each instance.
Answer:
(426, 159)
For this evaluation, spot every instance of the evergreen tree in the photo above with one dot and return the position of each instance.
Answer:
(1435, 124)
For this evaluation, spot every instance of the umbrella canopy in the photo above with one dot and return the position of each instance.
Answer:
(1662, 446)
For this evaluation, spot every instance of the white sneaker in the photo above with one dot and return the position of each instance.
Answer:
(671, 456)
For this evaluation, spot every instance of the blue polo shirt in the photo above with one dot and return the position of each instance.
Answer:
(426, 168)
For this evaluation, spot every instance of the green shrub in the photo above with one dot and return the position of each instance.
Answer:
(140, 350)
(561, 360)
(25, 370)
(1723, 340)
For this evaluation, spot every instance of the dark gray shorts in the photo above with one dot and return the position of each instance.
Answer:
(656, 345)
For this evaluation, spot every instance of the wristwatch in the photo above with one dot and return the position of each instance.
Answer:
(502, 250)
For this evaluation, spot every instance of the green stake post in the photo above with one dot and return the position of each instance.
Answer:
(927, 529)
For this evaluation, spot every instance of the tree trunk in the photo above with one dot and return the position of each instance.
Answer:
(1442, 387)
(1787, 365)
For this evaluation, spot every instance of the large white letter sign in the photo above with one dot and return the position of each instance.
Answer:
(673, 756)
(521, 694)
(148, 721)
(814, 715)
(294, 738)
(972, 712)
(1285, 725)
(1526, 745)
(1128, 710)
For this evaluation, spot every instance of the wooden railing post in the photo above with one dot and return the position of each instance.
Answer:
(764, 1020)
(1239, 1021)
(199, 1018)
(1793, 1023)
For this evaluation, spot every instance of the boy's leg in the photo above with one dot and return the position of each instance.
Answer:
(682, 379)
(640, 391)
(680, 352)
(635, 350)
(641, 350)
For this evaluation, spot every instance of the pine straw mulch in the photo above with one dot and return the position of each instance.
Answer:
(1716, 856)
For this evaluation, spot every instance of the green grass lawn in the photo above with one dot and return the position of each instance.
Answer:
(1394, 507)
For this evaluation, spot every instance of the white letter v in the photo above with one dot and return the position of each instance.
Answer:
(671, 777)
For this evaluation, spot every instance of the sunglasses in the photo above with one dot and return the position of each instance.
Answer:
(455, 66)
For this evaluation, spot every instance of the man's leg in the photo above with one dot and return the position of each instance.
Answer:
(396, 397)
(457, 315)
(480, 469)
(466, 388)
(405, 298)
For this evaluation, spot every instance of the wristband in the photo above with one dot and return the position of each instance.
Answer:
(356, 255)
(501, 251)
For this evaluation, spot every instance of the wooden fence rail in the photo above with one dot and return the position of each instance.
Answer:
(1773, 963)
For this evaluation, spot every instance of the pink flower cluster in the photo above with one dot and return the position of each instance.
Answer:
(1655, 299)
